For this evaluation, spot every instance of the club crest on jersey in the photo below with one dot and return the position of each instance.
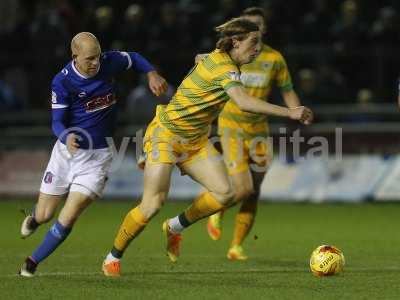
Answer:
(265, 65)
(234, 75)
(53, 97)
(48, 178)
(101, 102)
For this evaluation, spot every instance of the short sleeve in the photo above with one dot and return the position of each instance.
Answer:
(283, 79)
(120, 60)
(59, 96)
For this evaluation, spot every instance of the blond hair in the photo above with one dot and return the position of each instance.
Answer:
(237, 28)
(254, 11)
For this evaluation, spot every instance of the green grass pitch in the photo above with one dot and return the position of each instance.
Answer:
(279, 248)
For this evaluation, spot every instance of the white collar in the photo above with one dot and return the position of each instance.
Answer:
(78, 73)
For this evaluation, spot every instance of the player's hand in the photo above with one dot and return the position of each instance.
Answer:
(157, 84)
(72, 143)
(199, 57)
(302, 114)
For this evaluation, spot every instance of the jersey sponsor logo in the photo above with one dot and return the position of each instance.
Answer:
(253, 79)
(53, 97)
(99, 103)
(48, 177)
(234, 75)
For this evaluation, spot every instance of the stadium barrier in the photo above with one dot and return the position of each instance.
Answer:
(353, 178)
(368, 167)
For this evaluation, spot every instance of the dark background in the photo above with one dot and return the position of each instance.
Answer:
(337, 51)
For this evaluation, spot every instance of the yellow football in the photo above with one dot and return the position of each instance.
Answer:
(326, 260)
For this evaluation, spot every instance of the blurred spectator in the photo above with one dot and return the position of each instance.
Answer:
(383, 33)
(218, 13)
(364, 99)
(227, 9)
(132, 32)
(315, 24)
(171, 44)
(17, 80)
(102, 26)
(385, 28)
(349, 31)
(349, 35)
(8, 101)
(8, 15)
(307, 88)
(167, 29)
(320, 86)
(48, 38)
(141, 102)
(359, 39)
(331, 84)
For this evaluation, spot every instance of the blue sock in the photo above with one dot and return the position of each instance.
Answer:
(54, 237)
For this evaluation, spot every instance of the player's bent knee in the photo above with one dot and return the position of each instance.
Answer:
(225, 197)
(244, 194)
(44, 215)
(151, 206)
(150, 211)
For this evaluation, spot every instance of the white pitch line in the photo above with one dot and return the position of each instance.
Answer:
(56, 274)
(275, 270)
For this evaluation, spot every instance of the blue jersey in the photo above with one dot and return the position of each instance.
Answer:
(87, 106)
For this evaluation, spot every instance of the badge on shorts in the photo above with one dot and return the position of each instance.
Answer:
(48, 178)
(53, 97)
(232, 165)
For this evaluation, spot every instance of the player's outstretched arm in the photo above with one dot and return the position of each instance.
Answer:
(251, 104)
(157, 83)
(291, 99)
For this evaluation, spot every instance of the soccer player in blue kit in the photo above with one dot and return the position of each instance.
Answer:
(84, 109)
